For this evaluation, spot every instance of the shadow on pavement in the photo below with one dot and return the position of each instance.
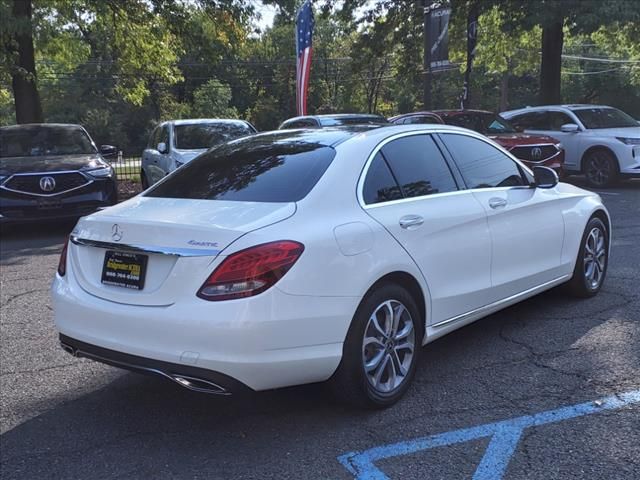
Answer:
(139, 426)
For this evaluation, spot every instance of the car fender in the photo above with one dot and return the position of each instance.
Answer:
(577, 209)
(598, 146)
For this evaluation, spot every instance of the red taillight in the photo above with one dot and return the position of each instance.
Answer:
(251, 271)
(62, 264)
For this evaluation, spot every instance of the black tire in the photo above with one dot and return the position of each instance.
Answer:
(600, 168)
(143, 180)
(350, 383)
(581, 284)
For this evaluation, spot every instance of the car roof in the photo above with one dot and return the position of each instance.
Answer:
(336, 116)
(569, 106)
(24, 126)
(333, 136)
(330, 136)
(453, 111)
(196, 121)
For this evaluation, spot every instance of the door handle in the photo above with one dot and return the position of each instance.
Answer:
(497, 202)
(409, 221)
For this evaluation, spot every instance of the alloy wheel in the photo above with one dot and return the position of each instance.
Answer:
(388, 346)
(595, 258)
(599, 169)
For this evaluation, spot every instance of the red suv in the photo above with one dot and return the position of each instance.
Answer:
(533, 150)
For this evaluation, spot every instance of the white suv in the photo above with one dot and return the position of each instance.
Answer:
(601, 142)
(176, 142)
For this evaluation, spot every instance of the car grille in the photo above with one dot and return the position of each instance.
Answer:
(535, 153)
(62, 182)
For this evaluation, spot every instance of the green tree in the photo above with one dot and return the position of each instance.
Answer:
(212, 100)
(18, 57)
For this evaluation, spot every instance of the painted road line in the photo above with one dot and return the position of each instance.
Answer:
(505, 436)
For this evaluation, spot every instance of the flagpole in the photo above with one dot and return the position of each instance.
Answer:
(472, 41)
(427, 55)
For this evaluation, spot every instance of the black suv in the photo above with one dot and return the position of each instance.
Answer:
(52, 171)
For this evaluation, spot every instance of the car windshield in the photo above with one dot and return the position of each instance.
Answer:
(485, 123)
(200, 136)
(604, 118)
(364, 120)
(40, 140)
(266, 168)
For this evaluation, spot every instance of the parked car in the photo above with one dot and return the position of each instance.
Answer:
(601, 142)
(533, 150)
(333, 120)
(298, 256)
(51, 171)
(176, 142)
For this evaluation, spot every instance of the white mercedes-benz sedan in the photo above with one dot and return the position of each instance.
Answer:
(302, 256)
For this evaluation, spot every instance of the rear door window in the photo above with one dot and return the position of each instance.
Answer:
(253, 169)
(418, 165)
(531, 121)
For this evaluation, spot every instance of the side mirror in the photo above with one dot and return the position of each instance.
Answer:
(108, 151)
(518, 128)
(569, 128)
(545, 177)
(162, 147)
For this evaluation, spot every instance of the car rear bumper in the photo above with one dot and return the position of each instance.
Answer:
(187, 376)
(268, 341)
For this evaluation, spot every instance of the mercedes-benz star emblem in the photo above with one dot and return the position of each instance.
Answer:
(116, 232)
(47, 184)
(536, 153)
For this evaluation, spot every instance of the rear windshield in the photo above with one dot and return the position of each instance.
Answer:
(199, 136)
(254, 169)
(37, 140)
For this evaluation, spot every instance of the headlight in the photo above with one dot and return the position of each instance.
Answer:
(104, 172)
(2, 179)
(629, 141)
(559, 146)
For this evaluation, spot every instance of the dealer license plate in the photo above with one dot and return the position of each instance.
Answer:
(124, 269)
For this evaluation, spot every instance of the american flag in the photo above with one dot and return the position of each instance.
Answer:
(304, 36)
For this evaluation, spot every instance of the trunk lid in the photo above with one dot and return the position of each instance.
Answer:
(180, 237)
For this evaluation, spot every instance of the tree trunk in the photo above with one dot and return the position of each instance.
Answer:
(504, 92)
(552, 39)
(25, 90)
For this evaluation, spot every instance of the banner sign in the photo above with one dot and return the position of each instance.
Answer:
(439, 37)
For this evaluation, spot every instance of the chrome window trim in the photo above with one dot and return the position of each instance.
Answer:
(431, 131)
(50, 174)
(140, 248)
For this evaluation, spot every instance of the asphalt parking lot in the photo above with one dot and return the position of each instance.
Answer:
(63, 417)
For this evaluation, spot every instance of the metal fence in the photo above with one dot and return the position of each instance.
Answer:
(127, 168)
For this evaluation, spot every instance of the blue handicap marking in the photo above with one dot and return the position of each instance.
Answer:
(504, 436)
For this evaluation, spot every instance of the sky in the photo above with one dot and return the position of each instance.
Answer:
(267, 12)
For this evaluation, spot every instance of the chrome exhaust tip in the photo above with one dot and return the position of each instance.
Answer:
(198, 384)
(68, 348)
